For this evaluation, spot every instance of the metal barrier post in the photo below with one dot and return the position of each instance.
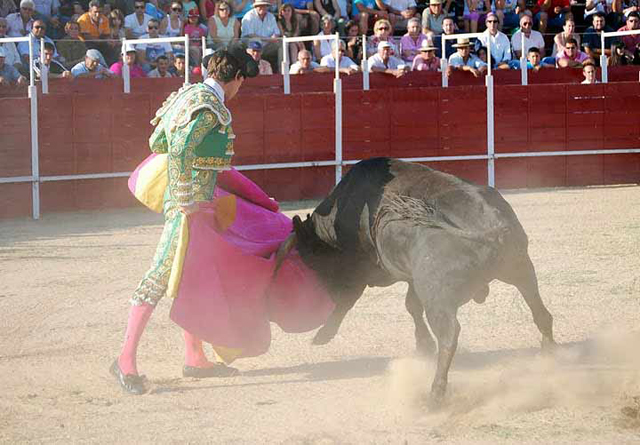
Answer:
(203, 45)
(337, 89)
(523, 62)
(285, 67)
(491, 179)
(365, 65)
(126, 73)
(44, 70)
(187, 69)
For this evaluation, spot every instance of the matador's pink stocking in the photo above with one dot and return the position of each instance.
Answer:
(194, 354)
(138, 317)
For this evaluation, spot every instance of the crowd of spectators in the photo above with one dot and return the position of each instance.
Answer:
(83, 38)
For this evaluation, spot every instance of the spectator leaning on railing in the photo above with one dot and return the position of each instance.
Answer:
(426, 59)
(345, 64)
(463, 60)
(254, 49)
(20, 22)
(56, 69)
(135, 70)
(384, 62)
(571, 56)
(305, 65)
(260, 23)
(8, 74)
(91, 66)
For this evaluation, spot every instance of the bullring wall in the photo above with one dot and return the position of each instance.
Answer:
(90, 126)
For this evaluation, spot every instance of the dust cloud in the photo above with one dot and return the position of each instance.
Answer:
(604, 371)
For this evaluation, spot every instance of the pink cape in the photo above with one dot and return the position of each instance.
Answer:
(227, 295)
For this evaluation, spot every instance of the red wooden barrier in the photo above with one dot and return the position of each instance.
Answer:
(92, 127)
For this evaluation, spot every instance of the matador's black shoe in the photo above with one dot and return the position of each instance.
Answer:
(218, 370)
(133, 384)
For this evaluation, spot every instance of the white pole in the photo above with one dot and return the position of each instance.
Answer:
(31, 74)
(365, 65)
(44, 70)
(603, 59)
(126, 74)
(443, 63)
(186, 61)
(203, 69)
(285, 67)
(488, 54)
(35, 166)
(490, 132)
(337, 89)
(523, 61)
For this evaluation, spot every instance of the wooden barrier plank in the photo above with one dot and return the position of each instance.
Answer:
(316, 182)
(622, 169)
(283, 184)
(547, 171)
(58, 196)
(15, 200)
(93, 157)
(585, 170)
(318, 144)
(317, 111)
(511, 173)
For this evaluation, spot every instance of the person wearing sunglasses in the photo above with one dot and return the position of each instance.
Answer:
(149, 52)
(382, 32)
(532, 38)
(135, 25)
(223, 26)
(19, 23)
(500, 44)
(632, 42)
(38, 31)
(173, 24)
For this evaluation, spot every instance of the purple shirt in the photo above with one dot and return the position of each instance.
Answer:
(580, 56)
(407, 44)
(419, 64)
(134, 71)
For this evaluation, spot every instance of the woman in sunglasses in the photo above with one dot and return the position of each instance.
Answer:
(382, 32)
(223, 26)
(173, 24)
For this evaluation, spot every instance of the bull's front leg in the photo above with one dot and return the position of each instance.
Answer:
(344, 302)
(424, 342)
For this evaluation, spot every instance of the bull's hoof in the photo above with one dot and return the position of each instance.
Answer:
(435, 401)
(322, 337)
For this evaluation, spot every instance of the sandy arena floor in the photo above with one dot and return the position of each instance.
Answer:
(66, 282)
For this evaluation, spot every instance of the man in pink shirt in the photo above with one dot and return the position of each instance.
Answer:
(571, 57)
(426, 60)
(135, 70)
(632, 42)
(412, 40)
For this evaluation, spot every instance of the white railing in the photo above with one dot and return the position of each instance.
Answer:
(490, 156)
(603, 57)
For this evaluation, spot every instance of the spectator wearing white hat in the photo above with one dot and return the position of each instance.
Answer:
(345, 64)
(463, 60)
(90, 66)
(384, 62)
(20, 22)
(426, 59)
(130, 57)
(9, 75)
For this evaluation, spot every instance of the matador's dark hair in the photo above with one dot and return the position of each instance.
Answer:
(224, 65)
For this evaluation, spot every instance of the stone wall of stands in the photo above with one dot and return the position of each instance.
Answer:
(90, 126)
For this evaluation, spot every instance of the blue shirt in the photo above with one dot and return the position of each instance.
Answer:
(9, 73)
(371, 4)
(297, 4)
(81, 68)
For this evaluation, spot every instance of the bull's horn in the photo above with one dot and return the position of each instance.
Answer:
(284, 250)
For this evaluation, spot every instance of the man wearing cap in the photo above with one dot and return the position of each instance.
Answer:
(55, 69)
(384, 62)
(135, 71)
(345, 64)
(38, 31)
(20, 23)
(193, 128)
(500, 44)
(91, 67)
(8, 74)
(135, 25)
(433, 17)
(463, 60)
(426, 59)
(254, 49)
(259, 23)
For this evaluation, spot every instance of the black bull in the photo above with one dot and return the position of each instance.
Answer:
(390, 221)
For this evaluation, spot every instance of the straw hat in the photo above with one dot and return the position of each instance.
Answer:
(462, 43)
(426, 45)
(261, 3)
